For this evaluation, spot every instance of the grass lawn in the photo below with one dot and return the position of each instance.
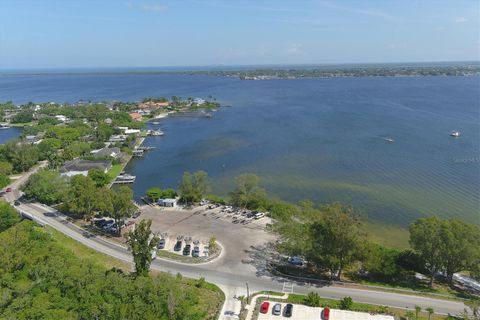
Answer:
(84, 252)
(115, 171)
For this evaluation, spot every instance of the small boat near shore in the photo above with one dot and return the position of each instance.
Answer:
(455, 134)
(389, 140)
(155, 122)
(155, 133)
(4, 126)
(125, 178)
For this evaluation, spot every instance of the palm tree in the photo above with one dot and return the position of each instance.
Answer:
(430, 312)
(409, 315)
(417, 311)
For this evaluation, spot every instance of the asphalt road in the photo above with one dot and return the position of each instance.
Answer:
(233, 279)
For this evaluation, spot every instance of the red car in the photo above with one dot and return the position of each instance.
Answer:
(264, 307)
(8, 190)
(326, 314)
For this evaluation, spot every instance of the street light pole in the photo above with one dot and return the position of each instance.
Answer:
(248, 294)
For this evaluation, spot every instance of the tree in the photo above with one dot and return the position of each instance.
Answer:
(430, 312)
(346, 303)
(46, 186)
(335, 239)
(4, 180)
(123, 206)
(82, 196)
(381, 261)
(23, 116)
(212, 245)
(21, 155)
(417, 311)
(193, 186)
(247, 192)
(99, 177)
(154, 193)
(169, 194)
(8, 216)
(460, 246)
(312, 299)
(409, 315)
(142, 244)
(425, 238)
(6, 168)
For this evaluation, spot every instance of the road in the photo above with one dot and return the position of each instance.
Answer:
(232, 281)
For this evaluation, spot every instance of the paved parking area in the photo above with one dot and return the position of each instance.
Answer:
(301, 312)
(245, 246)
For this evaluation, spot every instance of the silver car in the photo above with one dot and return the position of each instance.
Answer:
(277, 309)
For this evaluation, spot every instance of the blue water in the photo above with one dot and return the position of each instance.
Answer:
(320, 139)
(8, 134)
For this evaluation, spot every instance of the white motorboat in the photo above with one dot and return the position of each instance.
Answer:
(455, 134)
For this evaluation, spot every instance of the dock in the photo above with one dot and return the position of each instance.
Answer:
(124, 179)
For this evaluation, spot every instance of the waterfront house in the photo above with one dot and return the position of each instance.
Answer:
(107, 152)
(172, 203)
(199, 101)
(136, 116)
(117, 138)
(61, 118)
(79, 166)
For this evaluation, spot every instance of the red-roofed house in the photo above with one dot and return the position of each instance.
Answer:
(136, 116)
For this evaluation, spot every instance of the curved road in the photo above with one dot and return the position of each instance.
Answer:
(234, 282)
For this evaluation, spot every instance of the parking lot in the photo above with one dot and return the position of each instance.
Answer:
(246, 244)
(301, 312)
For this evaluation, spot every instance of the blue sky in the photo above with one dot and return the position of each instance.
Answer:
(101, 33)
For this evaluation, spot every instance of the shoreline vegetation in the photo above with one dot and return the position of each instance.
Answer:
(295, 71)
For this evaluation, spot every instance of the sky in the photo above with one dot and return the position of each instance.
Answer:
(118, 33)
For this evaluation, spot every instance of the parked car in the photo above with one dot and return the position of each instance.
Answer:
(178, 246)
(108, 225)
(17, 203)
(259, 215)
(196, 252)
(186, 250)
(296, 261)
(161, 244)
(8, 190)
(326, 314)
(154, 254)
(136, 214)
(288, 310)
(277, 309)
(264, 307)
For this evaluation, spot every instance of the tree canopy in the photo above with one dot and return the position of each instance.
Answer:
(193, 186)
(141, 242)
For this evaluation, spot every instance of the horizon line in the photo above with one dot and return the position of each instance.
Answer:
(269, 65)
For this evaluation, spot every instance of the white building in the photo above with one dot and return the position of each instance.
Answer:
(172, 203)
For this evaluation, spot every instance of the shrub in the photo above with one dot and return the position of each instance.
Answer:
(312, 299)
(346, 303)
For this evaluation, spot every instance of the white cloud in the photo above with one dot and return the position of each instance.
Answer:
(154, 7)
(460, 19)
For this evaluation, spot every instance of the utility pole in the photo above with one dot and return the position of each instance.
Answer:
(248, 294)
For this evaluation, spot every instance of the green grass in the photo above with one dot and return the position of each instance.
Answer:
(84, 252)
(115, 171)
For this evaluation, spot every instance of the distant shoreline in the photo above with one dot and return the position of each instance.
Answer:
(268, 72)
